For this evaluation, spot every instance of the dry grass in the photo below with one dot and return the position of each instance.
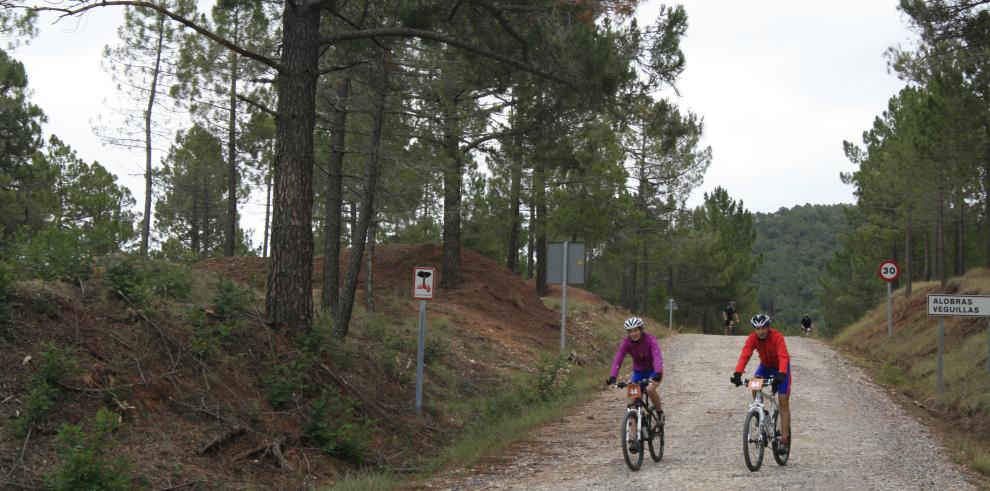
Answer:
(907, 361)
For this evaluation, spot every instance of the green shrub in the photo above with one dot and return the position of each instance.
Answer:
(125, 276)
(57, 254)
(315, 340)
(229, 297)
(43, 302)
(142, 280)
(210, 337)
(53, 367)
(7, 279)
(551, 373)
(286, 383)
(333, 423)
(83, 462)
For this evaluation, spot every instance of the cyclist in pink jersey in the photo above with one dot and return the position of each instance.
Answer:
(644, 350)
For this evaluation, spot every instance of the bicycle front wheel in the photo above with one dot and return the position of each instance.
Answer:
(656, 436)
(632, 448)
(753, 441)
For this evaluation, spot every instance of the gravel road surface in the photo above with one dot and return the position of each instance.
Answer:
(848, 434)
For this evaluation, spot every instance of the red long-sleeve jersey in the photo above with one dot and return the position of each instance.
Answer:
(773, 351)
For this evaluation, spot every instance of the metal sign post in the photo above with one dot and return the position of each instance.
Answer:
(943, 306)
(423, 290)
(889, 271)
(671, 307)
(565, 264)
(563, 302)
(939, 386)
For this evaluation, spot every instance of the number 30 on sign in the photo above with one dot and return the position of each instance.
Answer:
(888, 270)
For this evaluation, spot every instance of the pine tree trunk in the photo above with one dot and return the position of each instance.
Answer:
(512, 255)
(206, 245)
(343, 316)
(334, 200)
(531, 239)
(194, 220)
(927, 273)
(940, 239)
(452, 181)
(231, 235)
(268, 210)
(961, 238)
(148, 169)
(369, 281)
(289, 293)
(539, 197)
(353, 212)
(986, 204)
(644, 303)
(907, 254)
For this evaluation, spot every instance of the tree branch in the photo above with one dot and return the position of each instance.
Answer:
(442, 38)
(69, 12)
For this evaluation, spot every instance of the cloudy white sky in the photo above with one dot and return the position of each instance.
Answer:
(779, 83)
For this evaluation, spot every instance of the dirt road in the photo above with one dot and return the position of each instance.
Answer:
(848, 434)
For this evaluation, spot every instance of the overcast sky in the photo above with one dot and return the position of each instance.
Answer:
(779, 84)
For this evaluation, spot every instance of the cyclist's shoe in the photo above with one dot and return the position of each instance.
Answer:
(633, 447)
(783, 447)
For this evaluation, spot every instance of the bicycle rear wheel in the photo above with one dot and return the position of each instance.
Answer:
(631, 440)
(780, 458)
(753, 441)
(656, 436)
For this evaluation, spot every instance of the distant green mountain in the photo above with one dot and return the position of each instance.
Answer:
(795, 243)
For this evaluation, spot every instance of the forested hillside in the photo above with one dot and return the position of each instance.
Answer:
(923, 178)
(795, 243)
(495, 127)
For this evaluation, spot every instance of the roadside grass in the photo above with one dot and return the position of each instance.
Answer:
(907, 361)
(520, 403)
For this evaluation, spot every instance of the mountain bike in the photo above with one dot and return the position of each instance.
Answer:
(642, 424)
(762, 427)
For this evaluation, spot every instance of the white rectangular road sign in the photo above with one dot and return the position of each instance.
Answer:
(423, 282)
(959, 305)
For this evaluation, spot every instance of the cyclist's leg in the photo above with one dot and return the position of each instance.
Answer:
(651, 390)
(784, 401)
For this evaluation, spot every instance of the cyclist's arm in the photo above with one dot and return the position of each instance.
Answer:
(657, 356)
(747, 353)
(783, 358)
(619, 355)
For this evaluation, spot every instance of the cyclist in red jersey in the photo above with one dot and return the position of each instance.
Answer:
(774, 361)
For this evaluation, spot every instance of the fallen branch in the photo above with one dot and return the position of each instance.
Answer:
(251, 453)
(190, 483)
(276, 451)
(219, 441)
(16, 485)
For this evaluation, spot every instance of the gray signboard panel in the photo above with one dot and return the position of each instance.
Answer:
(575, 262)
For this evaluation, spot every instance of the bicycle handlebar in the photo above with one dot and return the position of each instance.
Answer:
(623, 384)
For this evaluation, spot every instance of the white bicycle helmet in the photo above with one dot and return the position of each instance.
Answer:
(760, 320)
(633, 323)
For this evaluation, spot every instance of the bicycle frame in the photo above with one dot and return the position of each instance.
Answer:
(765, 409)
(760, 429)
(647, 430)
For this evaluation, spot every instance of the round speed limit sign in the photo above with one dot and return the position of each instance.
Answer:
(889, 270)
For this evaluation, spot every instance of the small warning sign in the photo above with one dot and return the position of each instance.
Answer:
(423, 282)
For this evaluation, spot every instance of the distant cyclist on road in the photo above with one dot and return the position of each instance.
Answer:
(806, 324)
(731, 317)
(775, 362)
(644, 350)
